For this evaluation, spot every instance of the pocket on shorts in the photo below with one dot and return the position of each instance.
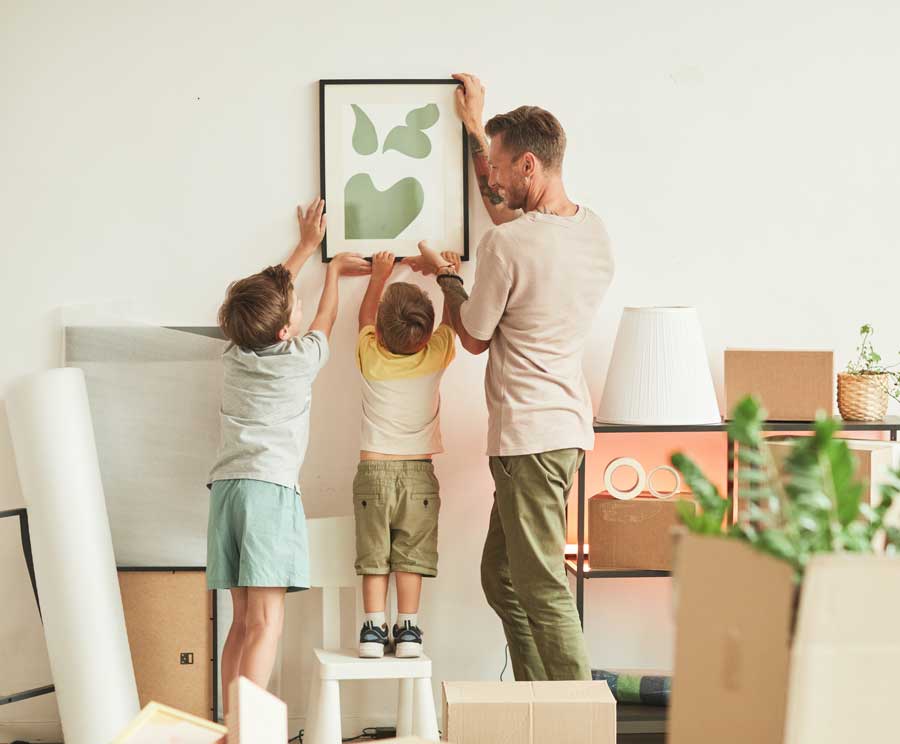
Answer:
(427, 499)
(367, 500)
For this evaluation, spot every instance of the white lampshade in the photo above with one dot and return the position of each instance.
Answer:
(659, 373)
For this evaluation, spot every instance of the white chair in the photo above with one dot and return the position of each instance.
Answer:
(332, 551)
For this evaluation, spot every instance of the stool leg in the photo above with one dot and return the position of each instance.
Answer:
(328, 713)
(424, 716)
(405, 709)
(312, 704)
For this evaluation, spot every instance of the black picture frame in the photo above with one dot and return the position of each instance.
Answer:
(323, 83)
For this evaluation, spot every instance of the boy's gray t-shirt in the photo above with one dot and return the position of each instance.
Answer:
(266, 398)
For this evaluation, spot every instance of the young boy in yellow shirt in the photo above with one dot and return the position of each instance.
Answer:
(396, 498)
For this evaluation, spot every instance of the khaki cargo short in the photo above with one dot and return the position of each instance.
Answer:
(396, 505)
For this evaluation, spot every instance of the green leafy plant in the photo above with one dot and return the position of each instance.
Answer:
(869, 362)
(811, 504)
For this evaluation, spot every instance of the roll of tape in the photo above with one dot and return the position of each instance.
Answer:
(625, 462)
(671, 493)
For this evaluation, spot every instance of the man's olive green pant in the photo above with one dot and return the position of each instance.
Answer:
(522, 567)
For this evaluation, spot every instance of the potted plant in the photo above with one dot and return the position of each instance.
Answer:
(864, 388)
(778, 615)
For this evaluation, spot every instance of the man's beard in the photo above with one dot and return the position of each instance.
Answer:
(517, 195)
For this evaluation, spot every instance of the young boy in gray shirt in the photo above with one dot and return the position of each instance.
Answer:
(256, 540)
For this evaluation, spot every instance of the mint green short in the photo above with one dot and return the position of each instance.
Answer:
(256, 536)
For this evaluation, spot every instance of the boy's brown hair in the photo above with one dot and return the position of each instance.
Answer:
(257, 307)
(530, 129)
(405, 319)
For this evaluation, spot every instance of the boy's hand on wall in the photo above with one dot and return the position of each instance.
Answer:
(382, 265)
(312, 224)
(350, 264)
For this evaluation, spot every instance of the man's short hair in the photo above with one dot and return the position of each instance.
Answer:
(405, 319)
(257, 307)
(531, 129)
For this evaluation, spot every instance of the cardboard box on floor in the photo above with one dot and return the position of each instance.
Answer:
(792, 385)
(632, 534)
(529, 713)
(740, 674)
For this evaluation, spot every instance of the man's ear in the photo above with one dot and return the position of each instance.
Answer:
(529, 164)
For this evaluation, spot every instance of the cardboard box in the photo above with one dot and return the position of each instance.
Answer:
(529, 713)
(632, 534)
(874, 460)
(792, 385)
(740, 674)
(255, 716)
(167, 616)
(732, 643)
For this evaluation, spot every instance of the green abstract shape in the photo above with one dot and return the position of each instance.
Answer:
(370, 214)
(422, 118)
(409, 141)
(365, 138)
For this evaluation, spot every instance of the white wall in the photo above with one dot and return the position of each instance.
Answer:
(744, 156)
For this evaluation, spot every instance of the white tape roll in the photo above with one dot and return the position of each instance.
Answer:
(671, 493)
(625, 462)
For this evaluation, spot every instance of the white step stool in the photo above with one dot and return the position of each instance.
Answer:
(332, 548)
(415, 710)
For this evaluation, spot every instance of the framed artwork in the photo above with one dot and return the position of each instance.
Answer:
(394, 166)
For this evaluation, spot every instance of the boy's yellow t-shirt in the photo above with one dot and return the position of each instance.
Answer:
(401, 399)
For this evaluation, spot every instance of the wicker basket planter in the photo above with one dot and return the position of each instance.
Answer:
(863, 397)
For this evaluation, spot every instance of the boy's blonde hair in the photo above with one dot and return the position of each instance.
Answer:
(405, 319)
(257, 307)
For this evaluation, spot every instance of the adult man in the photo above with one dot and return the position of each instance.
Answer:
(541, 274)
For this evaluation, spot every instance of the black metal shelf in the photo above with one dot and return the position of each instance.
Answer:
(576, 564)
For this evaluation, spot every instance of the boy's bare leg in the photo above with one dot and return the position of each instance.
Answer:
(409, 587)
(234, 644)
(374, 589)
(264, 623)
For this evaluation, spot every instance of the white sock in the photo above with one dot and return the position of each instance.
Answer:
(377, 618)
(412, 617)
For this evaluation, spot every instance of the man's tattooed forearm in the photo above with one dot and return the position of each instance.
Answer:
(482, 170)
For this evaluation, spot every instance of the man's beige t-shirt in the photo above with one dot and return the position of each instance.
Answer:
(538, 283)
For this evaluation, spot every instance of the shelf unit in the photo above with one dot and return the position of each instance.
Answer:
(576, 565)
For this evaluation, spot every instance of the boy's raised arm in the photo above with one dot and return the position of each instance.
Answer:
(312, 230)
(343, 264)
(382, 266)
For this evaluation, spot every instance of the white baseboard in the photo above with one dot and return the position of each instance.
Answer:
(36, 732)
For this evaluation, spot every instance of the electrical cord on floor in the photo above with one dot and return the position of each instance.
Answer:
(368, 734)
(505, 661)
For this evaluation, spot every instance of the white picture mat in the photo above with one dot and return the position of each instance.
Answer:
(341, 163)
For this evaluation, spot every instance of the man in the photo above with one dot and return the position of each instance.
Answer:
(541, 274)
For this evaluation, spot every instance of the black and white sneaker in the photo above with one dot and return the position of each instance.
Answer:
(408, 641)
(373, 640)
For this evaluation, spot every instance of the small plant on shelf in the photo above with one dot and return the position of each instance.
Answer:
(812, 504)
(867, 383)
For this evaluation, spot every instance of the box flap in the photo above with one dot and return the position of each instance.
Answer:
(734, 607)
(573, 692)
(487, 692)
